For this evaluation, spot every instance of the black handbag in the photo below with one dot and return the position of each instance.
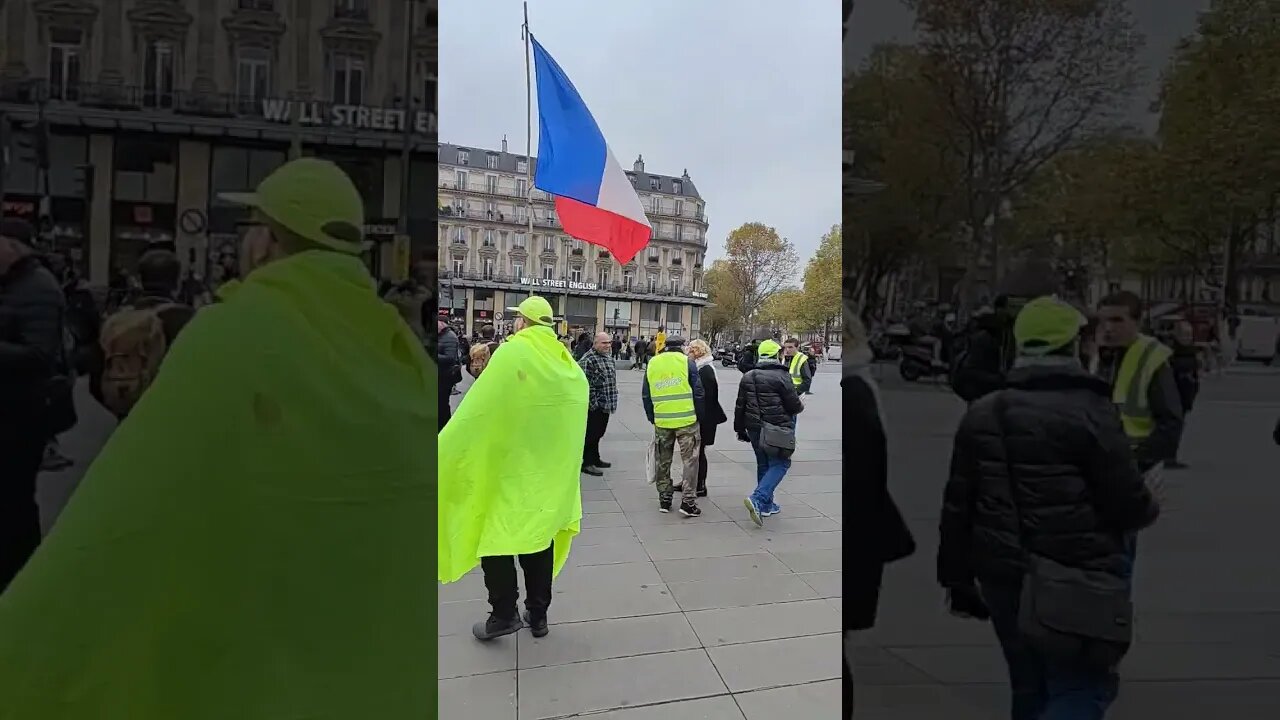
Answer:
(1066, 613)
(776, 440)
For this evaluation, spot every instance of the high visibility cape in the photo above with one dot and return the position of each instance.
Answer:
(511, 457)
(250, 542)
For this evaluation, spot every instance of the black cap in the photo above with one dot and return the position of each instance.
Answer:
(18, 229)
(674, 341)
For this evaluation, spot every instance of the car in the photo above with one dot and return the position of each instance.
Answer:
(834, 353)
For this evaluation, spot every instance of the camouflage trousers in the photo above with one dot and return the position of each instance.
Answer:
(688, 438)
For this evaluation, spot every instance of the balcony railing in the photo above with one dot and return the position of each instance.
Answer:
(486, 189)
(258, 5)
(448, 275)
(358, 10)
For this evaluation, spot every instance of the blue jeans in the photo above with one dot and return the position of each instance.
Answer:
(769, 472)
(1043, 689)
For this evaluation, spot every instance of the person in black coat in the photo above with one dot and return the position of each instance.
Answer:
(1185, 364)
(766, 395)
(1042, 466)
(875, 532)
(448, 367)
(711, 413)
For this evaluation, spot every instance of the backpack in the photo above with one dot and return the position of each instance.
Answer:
(133, 345)
(480, 354)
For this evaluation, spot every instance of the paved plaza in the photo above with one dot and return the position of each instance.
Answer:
(1208, 583)
(662, 616)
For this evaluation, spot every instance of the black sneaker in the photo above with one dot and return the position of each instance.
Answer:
(496, 627)
(537, 627)
(702, 492)
(688, 509)
(603, 464)
(588, 469)
(664, 505)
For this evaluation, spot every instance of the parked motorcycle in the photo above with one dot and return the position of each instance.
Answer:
(918, 361)
(728, 358)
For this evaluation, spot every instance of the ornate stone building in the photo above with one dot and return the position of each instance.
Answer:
(128, 117)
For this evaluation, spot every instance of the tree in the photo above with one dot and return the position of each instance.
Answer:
(758, 264)
(823, 278)
(1018, 81)
(724, 312)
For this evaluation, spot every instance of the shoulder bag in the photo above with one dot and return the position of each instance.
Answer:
(1066, 613)
(776, 440)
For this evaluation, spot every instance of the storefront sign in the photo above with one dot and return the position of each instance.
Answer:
(700, 295)
(560, 284)
(357, 117)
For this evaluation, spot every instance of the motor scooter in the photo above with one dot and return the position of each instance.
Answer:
(919, 361)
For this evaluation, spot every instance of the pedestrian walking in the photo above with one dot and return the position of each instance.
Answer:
(602, 377)
(242, 514)
(798, 365)
(448, 368)
(640, 354)
(1185, 364)
(765, 416)
(1037, 514)
(711, 415)
(617, 347)
(512, 456)
(671, 394)
(34, 380)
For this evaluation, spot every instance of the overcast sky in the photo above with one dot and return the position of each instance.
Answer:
(747, 101)
(1161, 22)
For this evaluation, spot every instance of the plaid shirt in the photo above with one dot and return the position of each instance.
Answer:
(603, 377)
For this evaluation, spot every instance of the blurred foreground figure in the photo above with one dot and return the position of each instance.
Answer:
(247, 545)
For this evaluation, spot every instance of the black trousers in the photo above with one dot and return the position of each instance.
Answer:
(500, 581)
(702, 467)
(20, 460)
(597, 423)
(444, 410)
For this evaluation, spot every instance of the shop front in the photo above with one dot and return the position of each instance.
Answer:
(617, 317)
(580, 315)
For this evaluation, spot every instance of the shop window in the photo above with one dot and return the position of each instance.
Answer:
(146, 170)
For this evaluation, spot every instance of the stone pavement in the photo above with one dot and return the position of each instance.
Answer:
(1208, 593)
(662, 616)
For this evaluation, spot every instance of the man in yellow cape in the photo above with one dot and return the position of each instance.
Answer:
(249, 544)
(510, 460)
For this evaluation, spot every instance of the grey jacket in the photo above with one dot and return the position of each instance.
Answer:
(32, 308)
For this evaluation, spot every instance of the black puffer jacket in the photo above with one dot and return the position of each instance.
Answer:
(766, 394)
(32, 310)
(1078, 489)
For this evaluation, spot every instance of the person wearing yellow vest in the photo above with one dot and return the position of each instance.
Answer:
(672, 395)
(660, 341)
(510, 460)
(798, 365)
(248, 544)
(1143, 385)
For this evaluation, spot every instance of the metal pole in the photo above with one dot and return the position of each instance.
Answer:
(528, 117)
(408, 117)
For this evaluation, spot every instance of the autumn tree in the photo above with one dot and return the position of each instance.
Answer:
(823, 282)
(1018, 81)
(724, 313)
(758, 263)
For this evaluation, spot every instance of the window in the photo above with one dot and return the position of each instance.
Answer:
(679, 203)
(458, 265)
(348, 79)
(548, 272)
(679, 232)
(354, 9)
(64, 64)
(522, 166)
(522, 190)
(520, 216)
(697, 211)
(517, 240)
(429, 84)
(464, 157)
(488, 268)
(603, 277)
(458, 236)
(653, 183)
(146, 169)
(492, 161)
(628, 279)
(461, 176)
(653, 254)
(490, 210)
(548, 244)
(253, 68)
(488, 238)
(575, 274)
(653, 283)
(517, 269)
(551, 216)
(676, 187)
(673, 314)
(158, 74)
(656, 203)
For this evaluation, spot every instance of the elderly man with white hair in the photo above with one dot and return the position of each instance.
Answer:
(598, 365)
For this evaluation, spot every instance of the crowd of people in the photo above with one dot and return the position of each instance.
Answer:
(1056, 467)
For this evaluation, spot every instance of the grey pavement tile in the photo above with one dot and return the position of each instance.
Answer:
(737, 566)
(589, 577)
(760, 665)
(627, 590)
(918, 702)
(599, 520)
(739, 592)
(1200, 661)
(799, 541)
(714, 708)
(1208, 627)
(826, 584)
(812, 484)
(690, 531)
(1237, 700)
(591, 484)
(456, 618)
(828, 503)
(651, 516)
(815, 467)
(786, 523)
(811, 560)
(604, 535)
(957, 664)
(463, 655)
(492, 697)
(624, 551)
(469, 587)
(725, 626)
(604, 639)
(600, 506)
(682, 549)
(597, 495)
(877, 666)
(811, 700)
(563, 690)
(792, 508)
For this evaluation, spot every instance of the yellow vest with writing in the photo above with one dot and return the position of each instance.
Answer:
(797, 366)
(1133, 381)
(669, 388)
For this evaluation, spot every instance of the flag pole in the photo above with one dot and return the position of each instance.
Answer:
(528, 117)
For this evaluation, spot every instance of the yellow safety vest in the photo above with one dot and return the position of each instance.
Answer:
(1133, 380)
(669, 388)
(797, 363)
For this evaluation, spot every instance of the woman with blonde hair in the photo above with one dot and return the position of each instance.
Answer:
(712, 414)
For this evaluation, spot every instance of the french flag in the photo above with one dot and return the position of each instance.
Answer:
(594, 198)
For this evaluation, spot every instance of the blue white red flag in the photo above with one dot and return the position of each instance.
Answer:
(594, 199)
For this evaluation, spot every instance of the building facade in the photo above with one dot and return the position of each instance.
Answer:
(127, 118)
(490, 260)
